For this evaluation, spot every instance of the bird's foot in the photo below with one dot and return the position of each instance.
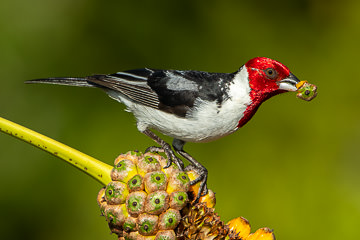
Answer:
(154, 149)
(171, 157)
(203, 174)
(165, 148)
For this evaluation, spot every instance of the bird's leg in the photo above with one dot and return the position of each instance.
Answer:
(200, 169)
(166, 148)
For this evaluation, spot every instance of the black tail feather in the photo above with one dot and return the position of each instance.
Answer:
(69, 81)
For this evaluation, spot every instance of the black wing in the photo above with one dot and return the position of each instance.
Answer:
(178, 90)
(132, 84)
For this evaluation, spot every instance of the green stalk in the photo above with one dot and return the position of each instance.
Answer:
(91, 166)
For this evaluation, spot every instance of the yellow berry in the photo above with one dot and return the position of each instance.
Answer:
(262, 234)
(241, 226)
(209, 199)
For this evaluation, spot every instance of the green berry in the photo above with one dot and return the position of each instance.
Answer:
(178, 200)
(123, 171)
(307, 91)
(169, 219)
(101, 200)
(182, 177)
(148, 164)
(131, 155)
(157, 202)
(135, 153)
(147, 224)
(157, 156)
(165, 235)
(136, 183)
(178, 182)
(155, 181)
(135, 203)
(116, 215)
(129, 224)
(132, 236)
(170, 171)
(116, 193)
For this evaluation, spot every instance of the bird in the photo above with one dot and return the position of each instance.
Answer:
(188, 105)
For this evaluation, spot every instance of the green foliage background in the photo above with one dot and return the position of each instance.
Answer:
(294, 167)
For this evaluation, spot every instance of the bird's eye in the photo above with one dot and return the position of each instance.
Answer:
(271, 73)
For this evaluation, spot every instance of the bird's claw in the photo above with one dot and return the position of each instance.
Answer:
(169, 154)
(203, 190)
(154, 149)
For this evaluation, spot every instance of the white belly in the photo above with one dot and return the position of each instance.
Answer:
(206, 123)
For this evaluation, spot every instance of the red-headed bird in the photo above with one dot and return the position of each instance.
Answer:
(191, 106)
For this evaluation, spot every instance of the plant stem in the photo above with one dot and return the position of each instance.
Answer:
(91, 166)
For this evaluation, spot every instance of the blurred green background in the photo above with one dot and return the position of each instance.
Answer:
(294, 167)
